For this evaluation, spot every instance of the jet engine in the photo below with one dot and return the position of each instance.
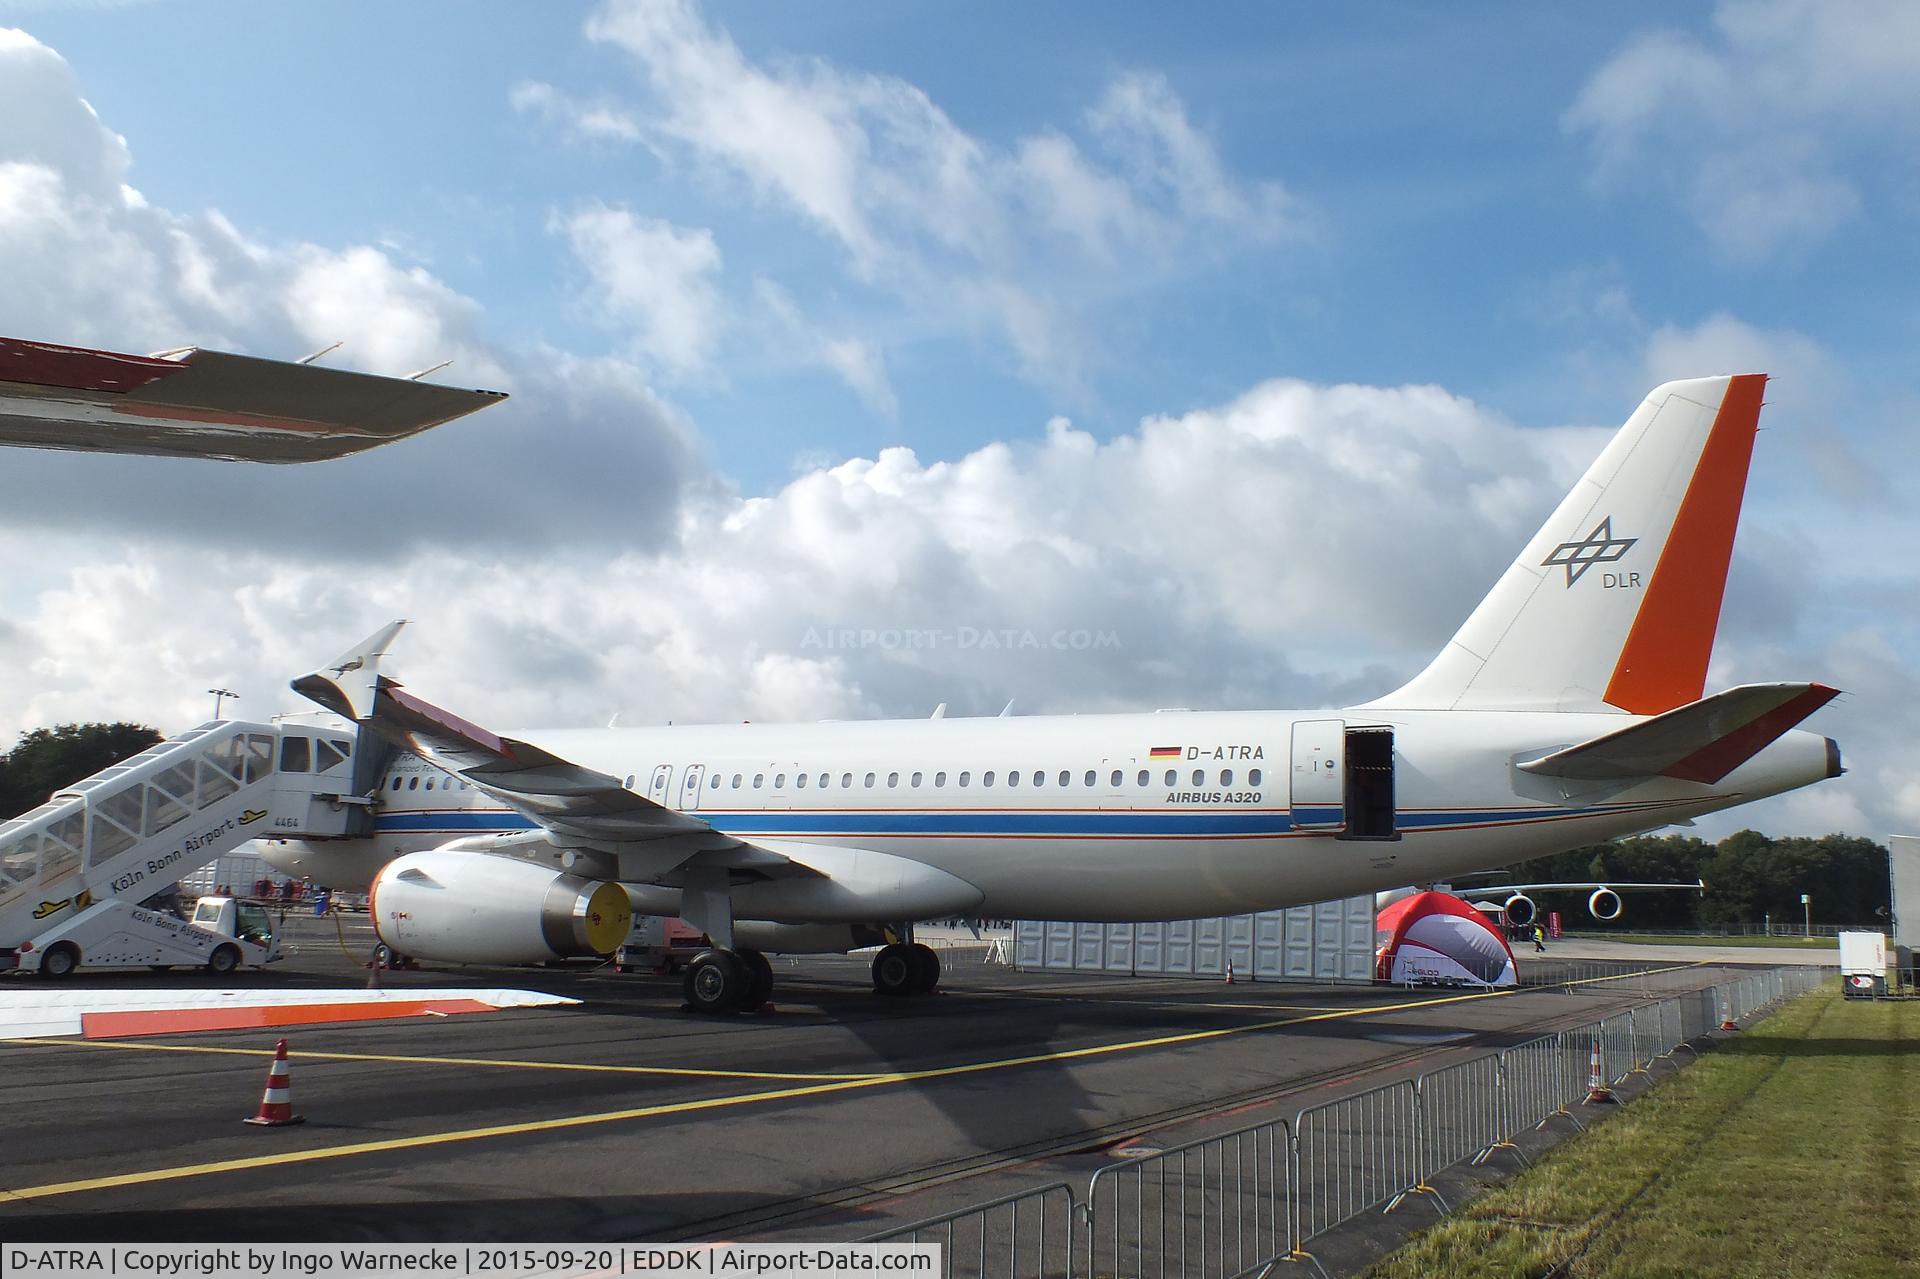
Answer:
(474, 908)
(1604, 904)
(1520, 910)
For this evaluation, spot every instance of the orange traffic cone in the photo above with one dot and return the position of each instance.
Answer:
(1229, 972)
(1597, 1090)
(276, 1104)
(1726, 1015)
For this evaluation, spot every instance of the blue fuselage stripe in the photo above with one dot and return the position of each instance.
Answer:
(1092, 823)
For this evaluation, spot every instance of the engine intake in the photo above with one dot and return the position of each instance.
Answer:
(1520, 910)
(473, 908)
(1605, 904)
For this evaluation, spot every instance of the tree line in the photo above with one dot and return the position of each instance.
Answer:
(1749, 876)
(47, 760)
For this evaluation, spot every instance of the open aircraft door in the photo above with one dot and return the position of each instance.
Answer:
(313, 791)
(690, 787)
(1317, 784)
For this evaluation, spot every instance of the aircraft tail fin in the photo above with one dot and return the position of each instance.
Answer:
(1614, 603)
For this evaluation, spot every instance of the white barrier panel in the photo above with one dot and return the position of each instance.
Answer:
(1330, 941)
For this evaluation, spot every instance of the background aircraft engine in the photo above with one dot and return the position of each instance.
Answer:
(472, 908)
(1604, 904)
(1521, 911)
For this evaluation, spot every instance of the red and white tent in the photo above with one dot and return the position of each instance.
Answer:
(1438, 938)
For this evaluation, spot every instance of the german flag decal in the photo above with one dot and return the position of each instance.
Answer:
(1164, 752)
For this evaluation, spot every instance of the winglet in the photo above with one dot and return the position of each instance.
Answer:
(347, 684)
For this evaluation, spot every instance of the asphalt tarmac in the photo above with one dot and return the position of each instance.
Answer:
(624, 1118)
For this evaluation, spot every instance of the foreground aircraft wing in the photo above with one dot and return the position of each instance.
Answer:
(197, 403)
(1702, 741)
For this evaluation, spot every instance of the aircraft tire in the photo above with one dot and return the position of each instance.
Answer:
(759, 978)
(894, 971)
(926, 968)
(717, 981)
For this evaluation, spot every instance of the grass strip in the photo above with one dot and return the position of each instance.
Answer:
(1788, 1151)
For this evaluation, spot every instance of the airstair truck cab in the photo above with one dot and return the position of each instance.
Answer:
(224, 934)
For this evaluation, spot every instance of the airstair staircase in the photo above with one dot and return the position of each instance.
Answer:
(132, 829)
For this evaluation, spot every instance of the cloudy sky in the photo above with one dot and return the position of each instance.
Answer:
(871, 356)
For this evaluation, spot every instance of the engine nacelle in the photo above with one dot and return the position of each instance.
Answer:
(1605, 904)
(472, 908)
(1520, 910)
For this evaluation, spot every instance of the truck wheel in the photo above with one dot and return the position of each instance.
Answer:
(60, 961)
(223, 960)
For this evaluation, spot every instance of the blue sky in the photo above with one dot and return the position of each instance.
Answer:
(728, 257)
(1448, 203)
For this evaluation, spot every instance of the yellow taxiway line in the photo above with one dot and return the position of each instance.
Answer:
(285, 1158)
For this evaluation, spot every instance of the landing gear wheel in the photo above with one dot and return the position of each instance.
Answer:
(59, 962)
(926, 968)
(223, 960)
(759, 979)
(717, 981)
(894, 971)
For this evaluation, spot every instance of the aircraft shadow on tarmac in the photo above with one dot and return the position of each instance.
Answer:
(421, 1219)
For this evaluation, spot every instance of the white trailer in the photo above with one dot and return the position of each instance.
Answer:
(1863, 965)
(225, 934)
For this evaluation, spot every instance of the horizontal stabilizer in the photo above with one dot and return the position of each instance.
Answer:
(1702, 741)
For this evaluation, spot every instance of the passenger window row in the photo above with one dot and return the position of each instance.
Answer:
(1039, 779)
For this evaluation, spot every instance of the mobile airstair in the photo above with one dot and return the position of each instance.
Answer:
(97, 848)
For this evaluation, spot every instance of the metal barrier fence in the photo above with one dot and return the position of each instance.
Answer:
(1462, 1117)
(1031, 1233)
(1212, 1209)
(1353, 1154)
(1238, 1203)
(1531, 1086)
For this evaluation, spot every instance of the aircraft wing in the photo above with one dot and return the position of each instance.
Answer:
(198, 403)
(1485, 890)
(575, 807)
(1702, 741)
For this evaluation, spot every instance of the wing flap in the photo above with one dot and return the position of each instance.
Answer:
(1702, 741)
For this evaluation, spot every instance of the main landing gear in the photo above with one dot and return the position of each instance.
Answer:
(905, 969)
(728, 981)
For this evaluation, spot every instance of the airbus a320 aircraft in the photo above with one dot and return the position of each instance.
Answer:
(1568, 710)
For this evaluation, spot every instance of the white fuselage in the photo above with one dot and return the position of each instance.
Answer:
(1090, 817)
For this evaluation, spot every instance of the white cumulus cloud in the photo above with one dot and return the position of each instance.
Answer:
(1751, 126)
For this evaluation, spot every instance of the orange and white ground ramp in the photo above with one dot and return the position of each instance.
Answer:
(97, 1014)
